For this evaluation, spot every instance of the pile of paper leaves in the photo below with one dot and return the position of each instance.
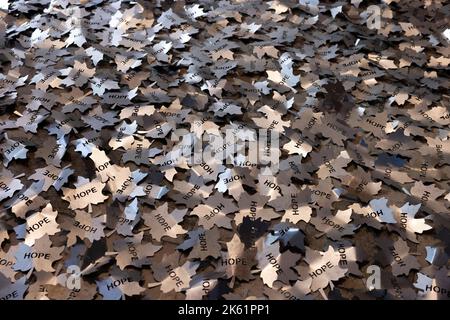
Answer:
(102, 103)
